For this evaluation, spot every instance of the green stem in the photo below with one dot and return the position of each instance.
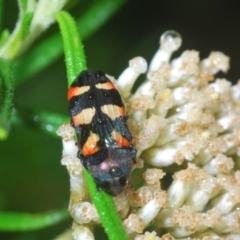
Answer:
(106, 210)
(103, 202)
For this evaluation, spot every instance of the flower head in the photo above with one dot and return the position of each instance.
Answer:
(186, 128)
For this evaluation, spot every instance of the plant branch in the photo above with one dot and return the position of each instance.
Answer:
(49, 50)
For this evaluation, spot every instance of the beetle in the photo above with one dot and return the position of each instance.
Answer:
(99, 117)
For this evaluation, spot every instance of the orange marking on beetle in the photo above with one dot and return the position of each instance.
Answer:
(84, 117)
(77, 91)
(90, 147)
(120, 140)
(107, 86)
(113, 111)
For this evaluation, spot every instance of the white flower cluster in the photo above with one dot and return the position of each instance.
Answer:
(187, 122)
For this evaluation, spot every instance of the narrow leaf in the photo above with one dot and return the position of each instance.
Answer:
(106, 210)
(46, 122)
(26, 221)
(75, 58)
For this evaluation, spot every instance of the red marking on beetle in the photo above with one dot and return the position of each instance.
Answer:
(77, 91)
(120, 140)
(90, 147)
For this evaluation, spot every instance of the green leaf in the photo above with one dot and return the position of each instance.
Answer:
(99, 14)
(26, 221)
(75, 58)
(103, 202)
(6, 97)
(46, 122)
(49, 50)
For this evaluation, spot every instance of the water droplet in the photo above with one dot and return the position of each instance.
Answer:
(171, 41)
(138, 64)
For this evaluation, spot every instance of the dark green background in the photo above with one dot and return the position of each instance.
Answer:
(31, 177)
